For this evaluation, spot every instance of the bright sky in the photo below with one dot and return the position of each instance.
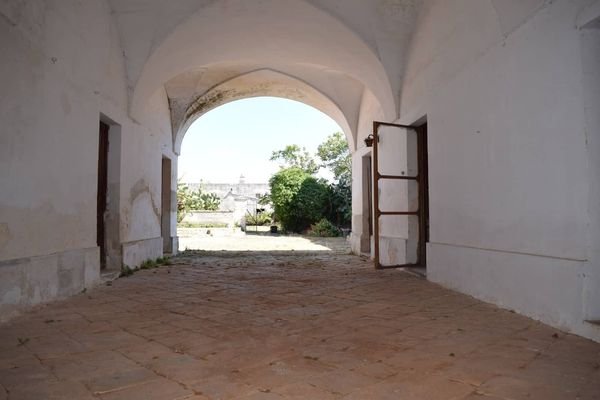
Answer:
(239, 137)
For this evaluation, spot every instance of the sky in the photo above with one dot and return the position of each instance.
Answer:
(239, 137)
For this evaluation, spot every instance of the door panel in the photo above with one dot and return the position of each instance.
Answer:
(400, 195)
(102, 191)
(397, 148)
(396, 194)
(165, 220)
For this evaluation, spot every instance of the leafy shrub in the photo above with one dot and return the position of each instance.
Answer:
(341, 203)
(324, 228)
(194, 200)
(335, 156)
(298, 198)
(259, 219)
(210, 201)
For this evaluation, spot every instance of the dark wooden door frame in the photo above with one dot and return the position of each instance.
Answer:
(423, 193)
(101, 202)
(165, 219)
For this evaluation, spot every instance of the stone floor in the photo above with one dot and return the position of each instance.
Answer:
(233, 239)
(286, 326)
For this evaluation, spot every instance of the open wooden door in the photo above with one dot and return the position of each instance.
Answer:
(400, 223)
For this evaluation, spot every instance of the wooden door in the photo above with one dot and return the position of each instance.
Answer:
(400, 194)
(102, 190)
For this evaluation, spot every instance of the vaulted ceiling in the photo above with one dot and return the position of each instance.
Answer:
(348, 51)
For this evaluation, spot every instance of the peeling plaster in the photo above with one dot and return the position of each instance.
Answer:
(140, 188)
(206, 102)
(185, 109)
(4, 235)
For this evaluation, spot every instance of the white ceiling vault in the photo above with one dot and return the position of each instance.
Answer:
(335, 55)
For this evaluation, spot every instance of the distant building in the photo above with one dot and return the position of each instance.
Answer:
(240, 198)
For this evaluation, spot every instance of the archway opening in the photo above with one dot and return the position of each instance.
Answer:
(233, 155)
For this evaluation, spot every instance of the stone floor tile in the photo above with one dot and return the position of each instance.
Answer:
(181, 367)
(85, 366)
(157, 389)
(225, 386)
(145, 352)
(296, 325)
(520, 389)
(591, 390)
(112, 380)
(303, 390)
(24, 374)
(414, 387)
(341, 381)
(54, 390)
(267, 395)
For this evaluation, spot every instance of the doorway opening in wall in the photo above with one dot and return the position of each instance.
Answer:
(400, 196)
(264, 174)
(367, 205)
(102, 192)
(108, 195)
(166, 200)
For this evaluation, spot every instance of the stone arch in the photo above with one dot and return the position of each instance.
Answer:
(263, 82)
(291, 36)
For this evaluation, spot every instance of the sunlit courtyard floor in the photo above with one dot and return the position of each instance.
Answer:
(256, 239)
(286, 325)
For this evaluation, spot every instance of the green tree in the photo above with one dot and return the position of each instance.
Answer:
(335, 156)
(298, 198)
(341, 203)
(292, 156)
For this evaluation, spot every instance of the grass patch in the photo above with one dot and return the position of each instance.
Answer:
(126, 271)
(202, 225)
(148, 264)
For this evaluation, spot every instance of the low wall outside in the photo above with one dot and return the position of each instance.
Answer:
(210, 217)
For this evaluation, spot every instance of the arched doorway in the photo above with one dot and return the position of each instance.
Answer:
(221, 54)
(225, 165)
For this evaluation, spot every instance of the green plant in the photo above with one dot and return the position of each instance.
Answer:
(324, 228)
(126, 271)
(167, 261)
(298, 205)
(341, 203)
(194, 200)
(149, 264)
(292, 156)
(335, 156)
(299, 199)
(210, 201)
(260, 219)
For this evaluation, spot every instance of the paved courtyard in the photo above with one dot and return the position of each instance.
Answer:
(233, 239)
(292, 325)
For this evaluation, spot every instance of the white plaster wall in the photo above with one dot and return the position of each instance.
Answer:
(62, 67)
(369, 111)
(501, 86)
(50, 112)
(590, 47)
